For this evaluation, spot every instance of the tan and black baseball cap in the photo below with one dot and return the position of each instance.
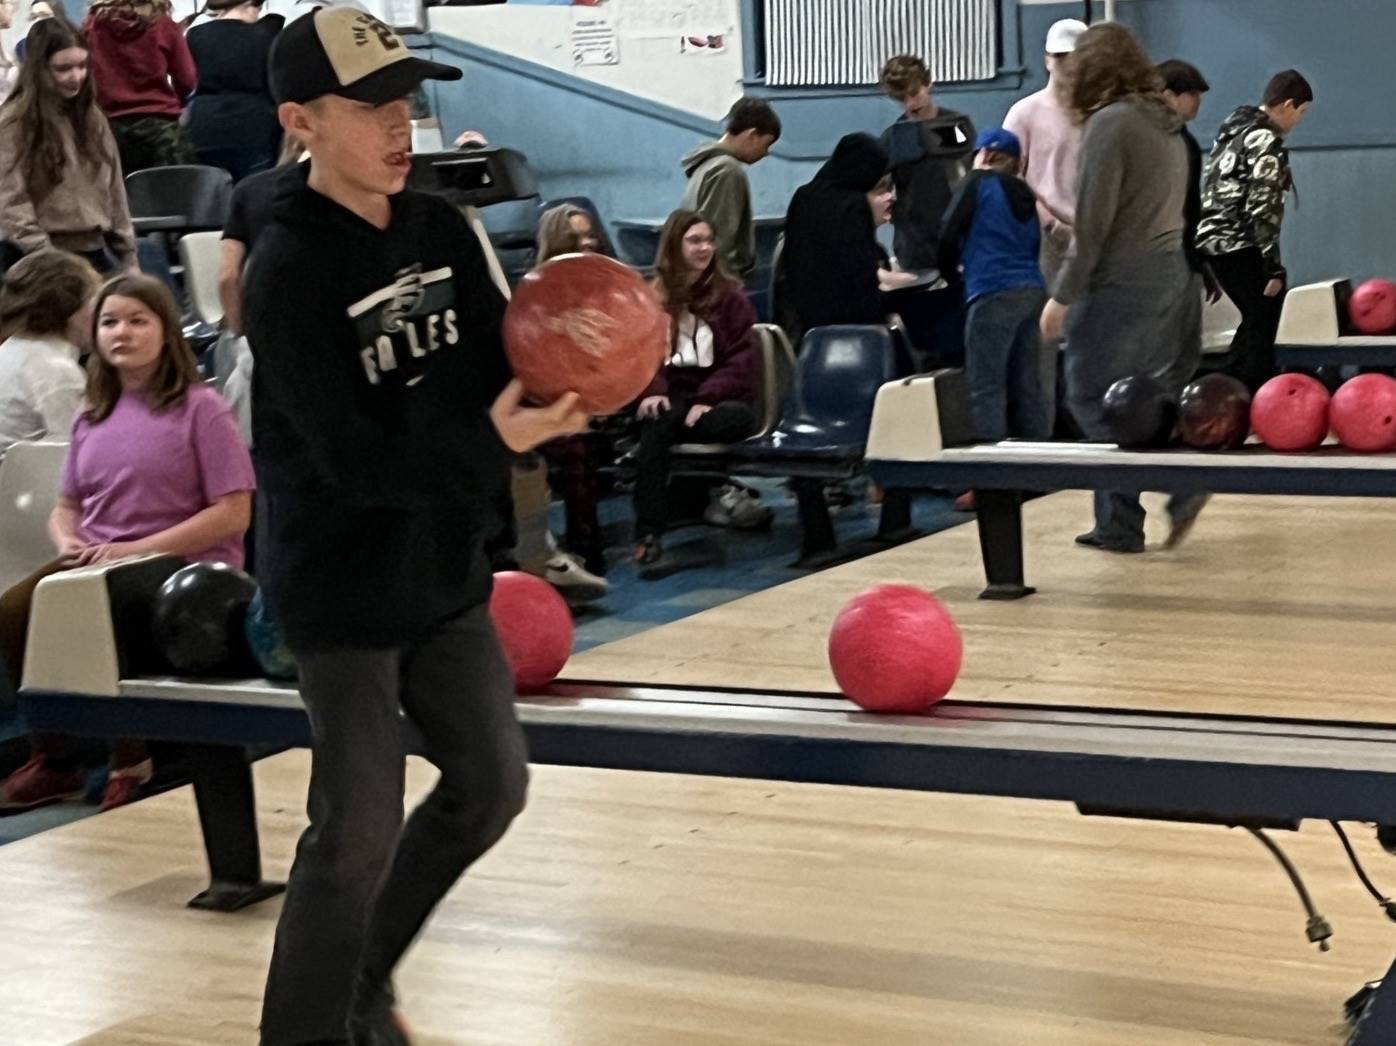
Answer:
(348, 52)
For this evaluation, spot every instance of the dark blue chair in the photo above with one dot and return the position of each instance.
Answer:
(824, 429)
(829, 408)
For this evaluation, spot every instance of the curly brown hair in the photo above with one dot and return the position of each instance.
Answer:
(903, 76)
(1107, 65)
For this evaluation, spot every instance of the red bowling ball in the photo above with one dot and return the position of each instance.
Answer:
(1363, 413)
(895, 648)
(587, 324)
(1290, 412)
(534, 627)
(1372, 307)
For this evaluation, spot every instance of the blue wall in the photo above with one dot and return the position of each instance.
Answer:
(624, 152)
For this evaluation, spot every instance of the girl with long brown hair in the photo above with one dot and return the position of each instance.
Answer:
(704, 393)
(60, 176)
(1122, 296)
(155, 464)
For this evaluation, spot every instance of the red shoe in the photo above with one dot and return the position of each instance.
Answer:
(124, 785)
(965, 502)
(36, 784)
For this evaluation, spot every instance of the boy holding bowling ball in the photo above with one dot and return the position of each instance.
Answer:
(382, 410)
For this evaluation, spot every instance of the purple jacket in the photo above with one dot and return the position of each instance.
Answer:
(729, 373)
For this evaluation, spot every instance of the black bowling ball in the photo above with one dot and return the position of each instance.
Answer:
(1139, 413)
(198, 620)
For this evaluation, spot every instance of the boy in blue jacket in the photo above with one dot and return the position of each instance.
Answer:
(991, 229)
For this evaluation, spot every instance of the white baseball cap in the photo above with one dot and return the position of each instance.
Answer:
(1062, 37)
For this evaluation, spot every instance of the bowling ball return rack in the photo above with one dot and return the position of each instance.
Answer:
(1233, 771)
(1314, 331)
(1004, 475)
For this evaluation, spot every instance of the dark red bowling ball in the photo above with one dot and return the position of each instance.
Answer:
(1363, 413)
(1290, 412)
(587, 324)
(1214, 413)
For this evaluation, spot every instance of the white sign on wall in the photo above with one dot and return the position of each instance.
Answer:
(594, 40)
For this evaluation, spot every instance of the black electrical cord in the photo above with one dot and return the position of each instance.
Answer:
(1317, 929)
(1387, 905)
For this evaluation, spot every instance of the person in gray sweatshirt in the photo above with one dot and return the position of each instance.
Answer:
(717, 184)
(1122, 296)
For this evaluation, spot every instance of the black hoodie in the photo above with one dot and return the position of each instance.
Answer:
(378, 354)
(831, 254)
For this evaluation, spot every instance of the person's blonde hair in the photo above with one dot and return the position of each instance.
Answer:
(555, 233)
(903, 76)
(1108, 64)
(177, 370)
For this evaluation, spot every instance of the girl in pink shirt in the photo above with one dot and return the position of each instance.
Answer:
(156, 464)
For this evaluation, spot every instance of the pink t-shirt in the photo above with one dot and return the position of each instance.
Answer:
(1051, 144)
(138, 473)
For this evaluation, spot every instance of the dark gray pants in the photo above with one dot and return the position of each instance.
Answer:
(1003, 366)
(1135, 319)
(363, 882)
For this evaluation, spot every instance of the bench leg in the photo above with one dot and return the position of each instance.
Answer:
(894, 522)
(1372, 1012)
(817, 538)
(1000, 516)
(228, 817)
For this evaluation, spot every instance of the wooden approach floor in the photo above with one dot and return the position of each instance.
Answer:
(1275, 607)
(650, 910)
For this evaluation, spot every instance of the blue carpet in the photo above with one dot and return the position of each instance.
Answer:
(733, 564)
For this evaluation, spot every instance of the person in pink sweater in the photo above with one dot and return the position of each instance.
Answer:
(144, 74)
(1051, 142)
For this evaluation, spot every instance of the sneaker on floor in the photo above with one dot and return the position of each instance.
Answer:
(1180, 526)
(648, 551)
(37, 784)
(125, 785)
(566, 573)
(965, 502)
(1090, 539)
(736, 507)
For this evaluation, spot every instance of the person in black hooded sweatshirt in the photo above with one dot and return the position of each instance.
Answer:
(381, 411)
(831, 257)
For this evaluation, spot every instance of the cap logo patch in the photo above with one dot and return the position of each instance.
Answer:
(366, 25)
(357, 44)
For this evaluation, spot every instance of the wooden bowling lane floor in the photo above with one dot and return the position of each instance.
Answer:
(1274, 607)
(630, 909)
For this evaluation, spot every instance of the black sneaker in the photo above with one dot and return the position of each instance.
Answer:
(1090, 539)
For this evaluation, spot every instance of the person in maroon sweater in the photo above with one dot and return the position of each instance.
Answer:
(144, 73)
(704, 393)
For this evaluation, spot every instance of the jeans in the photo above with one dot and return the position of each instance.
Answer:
(725, 423)
(1242, 276)
(1131, 321)
(1003, 366)
(364, 883)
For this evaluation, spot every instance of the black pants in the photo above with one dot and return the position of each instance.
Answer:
(363, 882)
(1252, 356)
(101, 260)
(725, 423)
